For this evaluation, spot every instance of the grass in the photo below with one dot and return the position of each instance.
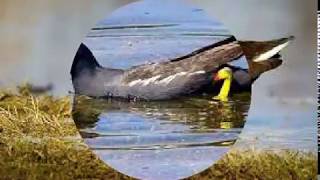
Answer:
(38, 140)
(52, 159)
(249, 164)
(43, 116)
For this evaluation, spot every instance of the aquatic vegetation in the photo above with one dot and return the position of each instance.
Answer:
(38, 140)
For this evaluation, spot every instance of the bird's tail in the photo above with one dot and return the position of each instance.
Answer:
(257, 68)
(257, 51)
(263, 56)
(83, 61)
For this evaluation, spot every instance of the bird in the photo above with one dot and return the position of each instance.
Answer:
(182, 76)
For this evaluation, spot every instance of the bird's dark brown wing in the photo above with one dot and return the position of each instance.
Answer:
(205, 59)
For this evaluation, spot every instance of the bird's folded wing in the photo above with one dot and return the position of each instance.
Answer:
(204, 60)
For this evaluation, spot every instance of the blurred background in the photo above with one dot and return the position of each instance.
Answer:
(39, 38)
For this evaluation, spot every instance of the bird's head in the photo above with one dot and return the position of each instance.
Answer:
(222, 74)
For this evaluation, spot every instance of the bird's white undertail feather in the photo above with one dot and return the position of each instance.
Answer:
(271, 52)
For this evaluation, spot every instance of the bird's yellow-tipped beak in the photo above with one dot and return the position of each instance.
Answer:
(216, 77)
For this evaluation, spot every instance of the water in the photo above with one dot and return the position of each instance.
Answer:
(280, 124)
(161, 140)
(130, 45)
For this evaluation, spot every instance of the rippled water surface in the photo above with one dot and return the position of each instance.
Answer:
(161, 140)
(125, 46)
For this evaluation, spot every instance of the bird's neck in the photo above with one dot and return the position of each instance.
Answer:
(225, 89)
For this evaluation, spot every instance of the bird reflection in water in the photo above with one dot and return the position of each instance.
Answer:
(197, 114)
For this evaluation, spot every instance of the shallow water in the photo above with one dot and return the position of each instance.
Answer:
(126, 46)
(161, 140)
(275, 124)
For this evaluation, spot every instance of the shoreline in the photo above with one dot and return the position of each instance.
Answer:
(38, 139)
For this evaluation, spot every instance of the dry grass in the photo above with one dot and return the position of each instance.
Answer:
(43, 116)
(248, 164)
(38, 140)
(35, 143)
(52, 159)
